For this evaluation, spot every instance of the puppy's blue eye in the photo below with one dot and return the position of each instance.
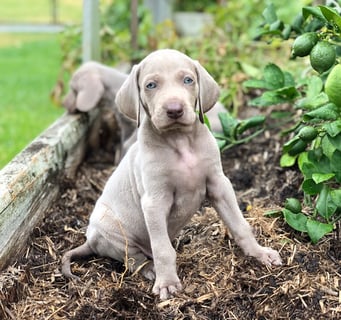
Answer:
(151, 85)
(188, 80)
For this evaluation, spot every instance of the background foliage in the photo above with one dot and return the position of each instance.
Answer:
(315, 139)
(226, 49)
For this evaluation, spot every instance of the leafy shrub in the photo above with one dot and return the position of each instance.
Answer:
(221, 50)
(315, 144)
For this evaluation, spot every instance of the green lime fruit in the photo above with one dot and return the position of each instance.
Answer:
(307, 133)
(297, 148)
(332, 86)
(304, 44)
(322, 56)
(293, 205)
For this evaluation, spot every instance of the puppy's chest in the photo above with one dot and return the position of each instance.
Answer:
(187, 171)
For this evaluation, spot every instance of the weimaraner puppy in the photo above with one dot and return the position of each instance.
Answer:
(165, 175)
(95, 84)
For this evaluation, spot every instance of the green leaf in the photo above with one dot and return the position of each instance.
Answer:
(310, 187)
(286, 31)
(221, 136)
(288, 93)
(315, 12)
(320, 162)
(297, 221)
(316, 230)
(326, 112)
(311, 103)
(307, 168)
(249, 123)
(287, 160)
(289, 80)
(324, 205)
(269, 14)
(274, 76)
(266, 32)
(335, 165)
(310, 164)
(322, 177)
(256, 83)
(277, 26)
(221, 143)
(297, 23)
(274, 97)
(268, 98)
(302, 159)
(272, 213)
(333, 128)
(228, 123)
(327, 147)
(331, 15)
(314, 86)
(207, 122)
(336, 197)
(336, 141)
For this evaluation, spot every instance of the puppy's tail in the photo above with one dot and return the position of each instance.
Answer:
(77, 253)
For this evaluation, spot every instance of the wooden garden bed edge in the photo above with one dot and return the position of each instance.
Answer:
(29, 183)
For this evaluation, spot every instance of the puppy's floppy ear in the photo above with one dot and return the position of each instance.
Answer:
(128, 98)
(208, 90)
(90, 91)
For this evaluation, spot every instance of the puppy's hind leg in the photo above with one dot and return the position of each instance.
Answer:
(139, 263)
(83, 250)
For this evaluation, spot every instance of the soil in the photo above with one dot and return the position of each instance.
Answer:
(219, 281)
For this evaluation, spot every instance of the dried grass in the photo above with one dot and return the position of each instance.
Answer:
(219, 281)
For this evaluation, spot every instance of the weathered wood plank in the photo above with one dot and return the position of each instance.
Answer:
(28, 184)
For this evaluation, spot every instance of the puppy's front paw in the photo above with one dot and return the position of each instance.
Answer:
(268, 256)
(166, 288)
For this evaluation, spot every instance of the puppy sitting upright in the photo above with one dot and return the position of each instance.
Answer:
(165, 175)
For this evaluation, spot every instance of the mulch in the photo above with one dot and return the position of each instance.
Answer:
(219, 281)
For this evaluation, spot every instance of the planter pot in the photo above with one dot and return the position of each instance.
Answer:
(192, 24)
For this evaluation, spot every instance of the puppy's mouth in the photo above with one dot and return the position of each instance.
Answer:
(182, 123)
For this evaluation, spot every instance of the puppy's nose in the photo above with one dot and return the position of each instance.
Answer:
(174, 110)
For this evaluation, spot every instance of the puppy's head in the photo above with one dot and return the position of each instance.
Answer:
(169, 86)
(86, 89)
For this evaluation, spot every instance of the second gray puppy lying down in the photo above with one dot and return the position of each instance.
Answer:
(165, 175)
(94, 84)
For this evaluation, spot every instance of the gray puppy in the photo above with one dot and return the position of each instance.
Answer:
(95, 84)
(165, 176)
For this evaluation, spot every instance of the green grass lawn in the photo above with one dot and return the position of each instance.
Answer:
(28, 73)
(29, 66)
(39, 11)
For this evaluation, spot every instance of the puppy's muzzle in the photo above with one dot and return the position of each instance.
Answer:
(174, 110)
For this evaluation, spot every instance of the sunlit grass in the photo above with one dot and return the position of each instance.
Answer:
(29, 65)
(28, 73)
(39, 11)
(16, 40)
